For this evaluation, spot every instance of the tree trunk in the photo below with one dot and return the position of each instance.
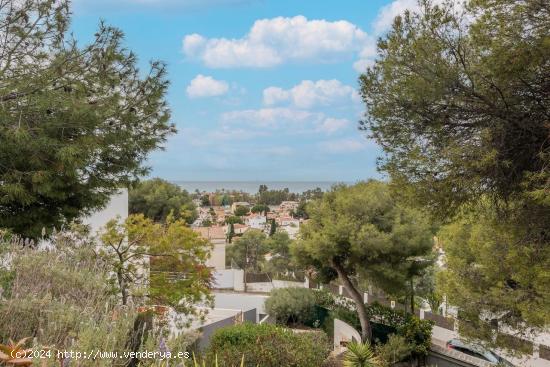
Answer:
(366, 332)
(122, 286)
(412, 296)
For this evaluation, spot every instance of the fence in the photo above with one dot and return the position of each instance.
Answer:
(529, 348)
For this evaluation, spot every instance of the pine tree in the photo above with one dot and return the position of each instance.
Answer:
(76, 123)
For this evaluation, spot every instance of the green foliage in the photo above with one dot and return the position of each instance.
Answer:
(76, 123)
(260, 208)
(53, 291)
(362, 230)
(225, 200)
(360, 355)
(179, 276)
(461, 107)
(233, 219)
(281, 262)
(248, 251)
(312, 194)
(268, 345)
(157, 198)
(62, 298)
(396, 349)
(292, 306)
(425, 288)
(501, 265)
(324, 298)
(275, 197)
(418, 334)
(459, 102)
(301, 210)
(205, 200)
(178, 273)
(241, 211)
(272, 227)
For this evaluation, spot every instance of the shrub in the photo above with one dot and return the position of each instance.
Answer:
(385, 321)
(418, 333)
(292, 306)
(395, 350)
(267, 345)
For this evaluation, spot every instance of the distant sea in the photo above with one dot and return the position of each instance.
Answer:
(252, 186)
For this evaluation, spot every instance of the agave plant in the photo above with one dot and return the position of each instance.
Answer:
(361, 355)
(13, 354)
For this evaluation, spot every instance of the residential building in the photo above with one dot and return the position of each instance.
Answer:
(288, 206)
(240, 228)
(217, 237)
(256, 221)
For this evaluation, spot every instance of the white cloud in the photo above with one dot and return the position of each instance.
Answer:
(206, 86)
(386, 15)
(330, 125)
(281, 119)
(366, 57)
(349, 145)
(275, 95)
(274, 41)
(271, 117)
(309, 93)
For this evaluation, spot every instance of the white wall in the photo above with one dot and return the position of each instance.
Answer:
(344, 332)
(238, 279)
(223, 279)
(117, 206)
(289, 284)
(240, 301)
(264, 287)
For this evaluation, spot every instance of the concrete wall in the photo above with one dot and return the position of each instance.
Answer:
(240, 301)
(208, 330)
(229, 279)
(267, 287)
(251, 316)
(238, 280)
(288, 284)
(223, 279)
(344, 333)
(264, 287)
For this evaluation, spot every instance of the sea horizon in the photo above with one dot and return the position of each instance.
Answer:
(252, 187)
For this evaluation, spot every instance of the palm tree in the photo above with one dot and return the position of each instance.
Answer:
(361, 355)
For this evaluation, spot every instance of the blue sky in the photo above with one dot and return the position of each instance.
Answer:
(260, 90)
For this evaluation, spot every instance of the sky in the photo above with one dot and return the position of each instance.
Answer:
(261, 90)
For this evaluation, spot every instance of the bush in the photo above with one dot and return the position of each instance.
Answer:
(291, 306)
(267, 345)
(396, 349)
(416, 332)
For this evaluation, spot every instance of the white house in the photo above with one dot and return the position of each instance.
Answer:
(256, 221)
